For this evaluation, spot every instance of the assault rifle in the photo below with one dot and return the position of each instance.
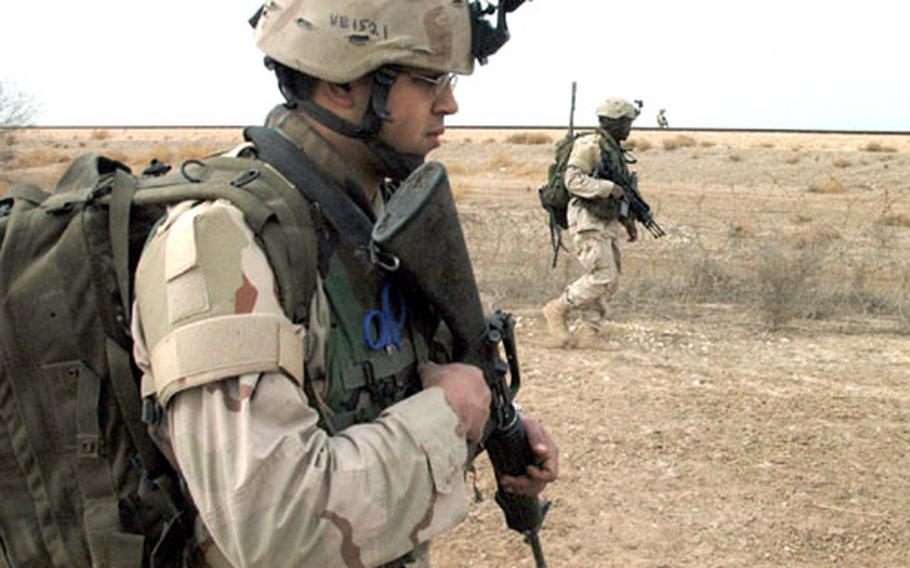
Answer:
(631, 200)
(419, 236)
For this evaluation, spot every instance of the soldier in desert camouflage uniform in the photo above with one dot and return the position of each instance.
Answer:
(662, 121)
(596, 228)
(301, 445)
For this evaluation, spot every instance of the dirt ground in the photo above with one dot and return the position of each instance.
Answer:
(707, 439)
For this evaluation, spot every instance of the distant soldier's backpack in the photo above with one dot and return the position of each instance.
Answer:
(83, 485)
(554, 197)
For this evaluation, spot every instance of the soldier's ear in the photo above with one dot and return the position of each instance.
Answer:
(338, 95)
(344, 97)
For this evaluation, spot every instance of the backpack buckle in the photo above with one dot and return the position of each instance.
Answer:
(247, 177)
(88, 446)
(101, 188)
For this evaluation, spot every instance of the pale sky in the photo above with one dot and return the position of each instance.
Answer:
(828, 65)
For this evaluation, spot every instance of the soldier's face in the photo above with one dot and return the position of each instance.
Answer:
(418, 108)
(619, 129)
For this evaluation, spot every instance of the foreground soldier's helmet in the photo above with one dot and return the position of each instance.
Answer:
(617, 108)
(342, 40)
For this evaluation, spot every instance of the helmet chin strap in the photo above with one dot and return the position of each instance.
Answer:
(395, 165)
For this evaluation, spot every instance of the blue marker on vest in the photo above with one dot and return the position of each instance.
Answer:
(381, 329)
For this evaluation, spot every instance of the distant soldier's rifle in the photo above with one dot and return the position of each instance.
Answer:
(631, 204)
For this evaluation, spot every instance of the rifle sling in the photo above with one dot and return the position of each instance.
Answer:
(350, 218)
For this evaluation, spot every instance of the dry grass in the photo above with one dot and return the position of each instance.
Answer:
(639, 144)
(679, 141)
(461, 190)
(814, 237)
(100, 134)
(786, 279)
(739, 231)
(458, 169)
(792, 160)
(735, 158)
(829, 186)
(877, 147)
(161, 153)
(895, 220)
(515, 167)
(529, 138)
(171, 155)
(499, 162)
(842, 163)
(41, 157)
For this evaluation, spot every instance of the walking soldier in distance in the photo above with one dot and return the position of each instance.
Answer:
(595, 176)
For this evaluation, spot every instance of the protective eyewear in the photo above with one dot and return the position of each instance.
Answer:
(439, 83)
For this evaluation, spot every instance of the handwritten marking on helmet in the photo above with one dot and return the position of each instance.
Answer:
(360, 25)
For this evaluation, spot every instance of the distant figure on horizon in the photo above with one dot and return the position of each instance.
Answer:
(662, 119)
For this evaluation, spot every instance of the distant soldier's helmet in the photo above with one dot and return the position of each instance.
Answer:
(342, 40)
(617, 108)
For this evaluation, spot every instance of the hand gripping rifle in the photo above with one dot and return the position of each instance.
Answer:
(419, 234)
(631, 200)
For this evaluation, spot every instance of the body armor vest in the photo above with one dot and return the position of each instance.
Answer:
(376, 338)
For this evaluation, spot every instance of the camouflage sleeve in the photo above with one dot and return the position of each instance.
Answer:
(580, 169)
(271, 487)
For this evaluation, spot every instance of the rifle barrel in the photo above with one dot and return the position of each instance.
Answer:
(534, 541)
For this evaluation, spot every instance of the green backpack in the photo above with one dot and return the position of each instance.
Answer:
(82, 482)
(554, 197)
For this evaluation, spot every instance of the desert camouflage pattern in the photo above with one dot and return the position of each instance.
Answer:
(617, 108)
(273, 489)
(595, 240)
(342, 40)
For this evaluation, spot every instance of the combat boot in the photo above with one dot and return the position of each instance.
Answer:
(556, 312)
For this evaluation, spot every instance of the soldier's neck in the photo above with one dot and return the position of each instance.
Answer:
(357, 156)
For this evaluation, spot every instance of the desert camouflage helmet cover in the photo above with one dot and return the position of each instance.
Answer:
(342, 40)
(617, 108)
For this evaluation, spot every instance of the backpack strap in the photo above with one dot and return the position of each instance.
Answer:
(123, 382)
(110, 546)
(27, 192)
(108, 543)
(351, 220)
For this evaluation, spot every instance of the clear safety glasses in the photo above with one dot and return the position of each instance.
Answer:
(438, 83)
